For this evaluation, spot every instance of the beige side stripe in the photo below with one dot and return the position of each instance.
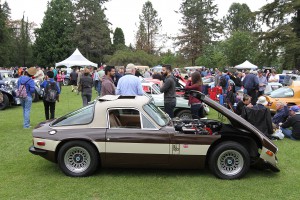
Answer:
(50, 145)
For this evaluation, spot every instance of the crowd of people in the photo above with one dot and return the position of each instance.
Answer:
(107, 80)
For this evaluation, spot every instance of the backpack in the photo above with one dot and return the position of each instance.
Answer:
(21, 91)
(51, 92)
(223, 81)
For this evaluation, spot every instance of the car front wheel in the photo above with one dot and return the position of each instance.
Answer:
(5, 103)
(229, 160)
(78, 159)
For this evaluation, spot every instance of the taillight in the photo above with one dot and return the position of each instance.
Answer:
(41, 143)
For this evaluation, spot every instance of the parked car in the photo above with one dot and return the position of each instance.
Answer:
(39, 92)
(8, 87)
(130, 131)
(182, 109)
(288, 94)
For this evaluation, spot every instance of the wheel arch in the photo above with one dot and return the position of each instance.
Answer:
(249, 143)
(178, 110)
(96, 147)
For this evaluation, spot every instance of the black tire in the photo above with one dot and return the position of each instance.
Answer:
(78, 159)
(36, 97)
(229, 160)
(184, 114)
(5, 103)
(66, 82)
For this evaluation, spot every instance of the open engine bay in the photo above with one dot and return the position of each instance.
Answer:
(198, 126)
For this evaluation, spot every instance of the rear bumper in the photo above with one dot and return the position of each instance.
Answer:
(49, 155)
(36, 151)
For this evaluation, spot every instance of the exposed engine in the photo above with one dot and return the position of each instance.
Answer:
(198, 126)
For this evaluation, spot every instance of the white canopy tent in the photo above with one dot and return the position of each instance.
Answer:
(76, 59)
(246, 65)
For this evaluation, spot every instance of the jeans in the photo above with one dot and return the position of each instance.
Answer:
(86, 98)
(26, 105)
(197, 111)
(169, 108)
(97, 87)
(287, 133)
(49, 106)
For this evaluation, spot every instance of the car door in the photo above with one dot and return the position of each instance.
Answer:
(133, 140)
(189, 150)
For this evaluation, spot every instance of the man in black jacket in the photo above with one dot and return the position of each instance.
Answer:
(259, 116)
(294, 122)
(168, 89)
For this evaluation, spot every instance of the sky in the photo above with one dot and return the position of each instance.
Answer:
(125, 13)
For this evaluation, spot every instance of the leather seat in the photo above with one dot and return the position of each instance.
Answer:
(114, 120)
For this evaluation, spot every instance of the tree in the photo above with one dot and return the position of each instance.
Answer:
(92, 34)
(54, 40)
(239, 18)
(24, 44)
(239, 47)
(200, 27)
(118, 40)
(213, 56)
(123, 57)
(5, 35)
(149, 26)
(283, 37)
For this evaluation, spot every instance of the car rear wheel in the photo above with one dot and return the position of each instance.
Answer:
(229, 160)
(78, 159)
(184, 114)
(5, 103)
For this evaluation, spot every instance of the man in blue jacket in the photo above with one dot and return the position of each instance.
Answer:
(26, 103)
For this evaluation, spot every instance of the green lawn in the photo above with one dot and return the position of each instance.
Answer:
(25, 176)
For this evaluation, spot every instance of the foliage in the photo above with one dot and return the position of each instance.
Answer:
(148, 29)
(283, 37)
(213, 56)
(174, 59)
(200, 27)
(118, 39)
(24, 46)
(54, 40)
(139, 57)
(240, 18)
(26, 176)
(5, 35)
(239, 47)
(92, 34)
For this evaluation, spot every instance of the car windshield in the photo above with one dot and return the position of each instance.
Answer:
(282, 93)
(207, 80)
(156, 89)
(4, 75)
(81, 116)
(156, 114)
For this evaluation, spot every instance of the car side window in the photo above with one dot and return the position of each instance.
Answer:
(124, 118)
(147, 123)
(82, 116)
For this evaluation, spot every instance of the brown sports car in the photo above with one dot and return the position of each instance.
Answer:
(130, 131)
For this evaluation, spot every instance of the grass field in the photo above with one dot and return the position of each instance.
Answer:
(25, 176)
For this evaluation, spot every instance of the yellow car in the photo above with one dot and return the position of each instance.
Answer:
(289, 94)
